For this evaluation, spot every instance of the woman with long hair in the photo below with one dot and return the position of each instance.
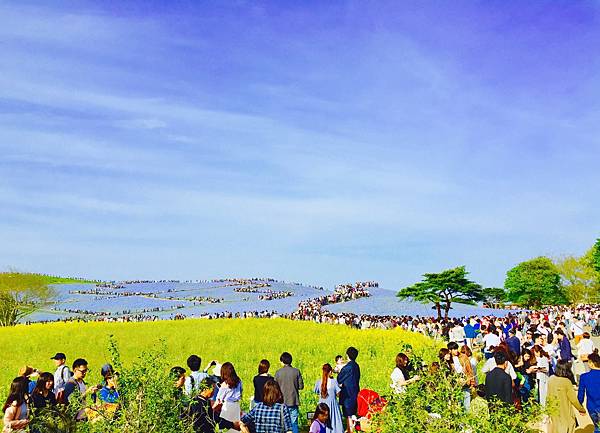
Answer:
(270, 415)
(526, 368)
(445, 358)
(542, 371)
(400, 375)
(43, 394)
(16, 407)
(560, 391)
(230, 394)
(328, 388)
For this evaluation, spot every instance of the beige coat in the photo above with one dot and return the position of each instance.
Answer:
(562, 393)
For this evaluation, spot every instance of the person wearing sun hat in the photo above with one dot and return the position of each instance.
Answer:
(62, 373)
(31, 375)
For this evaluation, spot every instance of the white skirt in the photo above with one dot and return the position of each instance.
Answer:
(231, 412)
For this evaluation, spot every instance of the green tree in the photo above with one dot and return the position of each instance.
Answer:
(595, 259)
(22, 294)
(534, 283)
(443, 289)
(578, 278)
(494, 297)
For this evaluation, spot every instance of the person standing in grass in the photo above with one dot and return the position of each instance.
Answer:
(230, 393)
(290, 381)
(271, 415)
(349, 380)
(204, 419)
(328, 389)
(260, 379)
(62, 373)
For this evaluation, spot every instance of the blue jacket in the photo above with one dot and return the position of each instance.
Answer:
(514, 344)
(349, 380)
(589, 385)
(470, 331)
(565, 349)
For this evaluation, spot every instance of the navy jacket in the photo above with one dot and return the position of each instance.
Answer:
(349, 380)
(514, 344)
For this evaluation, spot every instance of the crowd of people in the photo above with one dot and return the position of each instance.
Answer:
(541, 356)
(206, 398)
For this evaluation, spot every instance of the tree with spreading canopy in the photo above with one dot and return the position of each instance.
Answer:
(535, 283)
(21, 294)
(494, 297)
(444, 288)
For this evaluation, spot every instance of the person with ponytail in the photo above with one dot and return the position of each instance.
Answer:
(328, 389)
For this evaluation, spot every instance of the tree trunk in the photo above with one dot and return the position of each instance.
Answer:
(446, 309)
(438, 308)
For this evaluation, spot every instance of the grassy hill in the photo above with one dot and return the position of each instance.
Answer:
(52, 279)
(241, 341)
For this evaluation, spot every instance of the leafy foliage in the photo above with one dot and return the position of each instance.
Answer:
(579, 278)
(22, 294)
(494, 297)
(434, 405)
(534, 283)
(147, 403)
(595, 258)
(443, 289)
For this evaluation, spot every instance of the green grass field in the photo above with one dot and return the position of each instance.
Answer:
(244, 342)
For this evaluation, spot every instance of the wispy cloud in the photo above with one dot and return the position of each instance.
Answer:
(319, 149)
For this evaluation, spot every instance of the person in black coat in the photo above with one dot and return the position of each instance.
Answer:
(498, 384)
(349, 380)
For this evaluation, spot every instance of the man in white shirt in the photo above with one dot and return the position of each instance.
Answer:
(490, 340)
(584, 349)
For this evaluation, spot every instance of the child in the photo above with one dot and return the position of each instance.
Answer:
(320, 419)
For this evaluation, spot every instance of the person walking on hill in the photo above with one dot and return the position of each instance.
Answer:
(589, 388)
(328, 388)
(560, 390)
(230, 393)
(290, 381)
(349, 381)
(62, 373)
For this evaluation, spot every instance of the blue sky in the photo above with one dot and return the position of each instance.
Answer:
(320, 142)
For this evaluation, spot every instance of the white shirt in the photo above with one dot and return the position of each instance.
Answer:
(585, 347)
(490, 364)
(491, 340)
(198, 377)
(61, 376)
(398, 381)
